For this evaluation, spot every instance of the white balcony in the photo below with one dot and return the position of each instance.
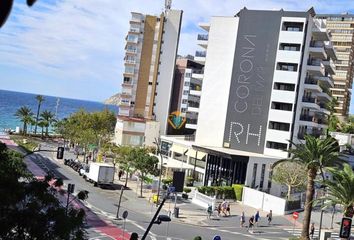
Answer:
(202, 40)
(131, 50)
(323, 110)
(198, 75)
(316, 68)
(134, 30)
(329, 66)
(195, 92)
(319, 31)
(309, 102)
(325, 80)
(129, 61)
(191, 126)
(192, 109)
(205, 26)
(318, 52)
(331, 52)
(323, 97)
(314, 87)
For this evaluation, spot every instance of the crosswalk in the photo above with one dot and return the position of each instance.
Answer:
(297, 232)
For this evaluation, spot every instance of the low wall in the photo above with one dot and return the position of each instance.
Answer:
(263, 201)
(203, 200)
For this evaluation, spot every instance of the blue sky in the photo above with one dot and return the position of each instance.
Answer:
(75, 48)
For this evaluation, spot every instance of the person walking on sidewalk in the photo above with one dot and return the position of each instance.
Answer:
(270, 217)
(224, 207)
(250, 223)
(209, 211)
(120, 173)
(242, 219)
(228, 209)
(312, 230)
(219, 209)
(257, 218)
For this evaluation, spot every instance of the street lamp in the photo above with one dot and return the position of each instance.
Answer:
(158, 149)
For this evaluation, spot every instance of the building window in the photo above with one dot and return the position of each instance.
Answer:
(254, 175)
(277, 145)
(284, 86)
(282, 106)
(293, 26)
(185, 92)
(186, 83)
(188, 74)
(183, 110)
(262, 176)
(184, 101)
(279, 126)
(270, 178)
(292, 67)
(289, 47)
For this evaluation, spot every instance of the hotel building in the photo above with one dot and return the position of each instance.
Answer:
(266, 81)
(150, 57)
(341, 27)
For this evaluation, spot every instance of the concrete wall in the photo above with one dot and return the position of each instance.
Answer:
(152, 129)
(167, 67)
(216, 82)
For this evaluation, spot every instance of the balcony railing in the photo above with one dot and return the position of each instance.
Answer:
(192, 121)
(313, 62)
(306, 118)
(203, 37)
(309, 99)
(315, 133)
(309, 80)
(193, 104)
(316, 44)
(200, 53)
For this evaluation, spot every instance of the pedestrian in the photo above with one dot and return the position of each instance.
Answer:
(270, 217)
(228, 210)
(209, 211)
(312, 230)
(134, 236)
(250, 223)
(219, 209)
(257, 218)
(224, 207)
(120, 173)
(242, 219)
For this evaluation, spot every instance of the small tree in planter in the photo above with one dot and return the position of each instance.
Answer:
(189, 181)
(186, 191)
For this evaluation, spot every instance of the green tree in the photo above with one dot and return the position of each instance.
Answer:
(340, 190)
(25, 114)
(42, 124)
(48, 118)
(315, 155)
(39, 99)
(291, 174)
(29, 208)
(145, 164)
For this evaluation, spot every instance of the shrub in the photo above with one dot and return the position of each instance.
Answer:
(202, 189)
(229, 192)
(167, 181)
(238, 191)
(187, 190)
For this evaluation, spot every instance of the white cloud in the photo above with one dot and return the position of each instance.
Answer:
(83, 40)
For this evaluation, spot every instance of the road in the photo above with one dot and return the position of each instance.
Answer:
(103, 202)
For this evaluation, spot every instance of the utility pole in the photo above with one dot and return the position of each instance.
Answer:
(158, 147)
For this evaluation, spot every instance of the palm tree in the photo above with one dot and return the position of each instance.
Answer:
(341, 190)
(25, 114)
(39, 99)
(315, 155)
(48, 118)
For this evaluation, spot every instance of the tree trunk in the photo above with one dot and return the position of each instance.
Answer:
(35, 127)
(24, 129)
(311, 174)
(141, 185)
(42, 132)
(289, 192)
(46, 131)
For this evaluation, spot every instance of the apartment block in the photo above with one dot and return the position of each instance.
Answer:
(266, 80)
(150, 57)
(341, 27)
(187, 87)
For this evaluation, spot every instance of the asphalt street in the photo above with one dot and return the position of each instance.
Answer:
(103, 202)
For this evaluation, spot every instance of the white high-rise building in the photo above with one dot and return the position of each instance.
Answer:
(266, 81)
(151, 51)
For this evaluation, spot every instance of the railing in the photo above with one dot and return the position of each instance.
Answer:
(203, 37)
(316, 44)
(306, 118)
(203, 200)
(189, 137)
(311, 81)
(132, 50)
(200, 53)
(193, 104)
(314, 62)
(192, 121)
(309, 99)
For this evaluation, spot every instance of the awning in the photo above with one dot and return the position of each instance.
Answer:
(178, 149)
(171, 163)
(192, 153)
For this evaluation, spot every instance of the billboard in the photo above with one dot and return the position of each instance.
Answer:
(252, 80)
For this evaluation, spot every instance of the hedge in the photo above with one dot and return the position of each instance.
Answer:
(238, 189)
(218, 191)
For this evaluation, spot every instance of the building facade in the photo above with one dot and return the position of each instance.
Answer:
(150, 56)
(341, 27)
(187, 87)
(266, 81)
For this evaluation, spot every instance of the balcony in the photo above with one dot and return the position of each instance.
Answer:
(325, 80)
(312, 84)
(315, 133)
(317, 49)
(131, 50)
(134, 30)
(329, 66)
(129, 61)
(310, 102)
(307, 118)
(331, 52)
(319, 31)
(195, 93)
(323, 109)
(315, 67)
(203, 40)
(131, 39)
(200, 56)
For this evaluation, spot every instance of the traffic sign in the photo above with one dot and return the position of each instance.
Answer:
(125, 214)
(295, 215)
(217, 237)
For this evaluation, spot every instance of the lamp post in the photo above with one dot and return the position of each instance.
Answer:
(158, 148)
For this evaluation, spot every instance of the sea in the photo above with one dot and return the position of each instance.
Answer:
(11, 101)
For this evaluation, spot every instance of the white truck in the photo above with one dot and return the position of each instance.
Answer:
(100, 174)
